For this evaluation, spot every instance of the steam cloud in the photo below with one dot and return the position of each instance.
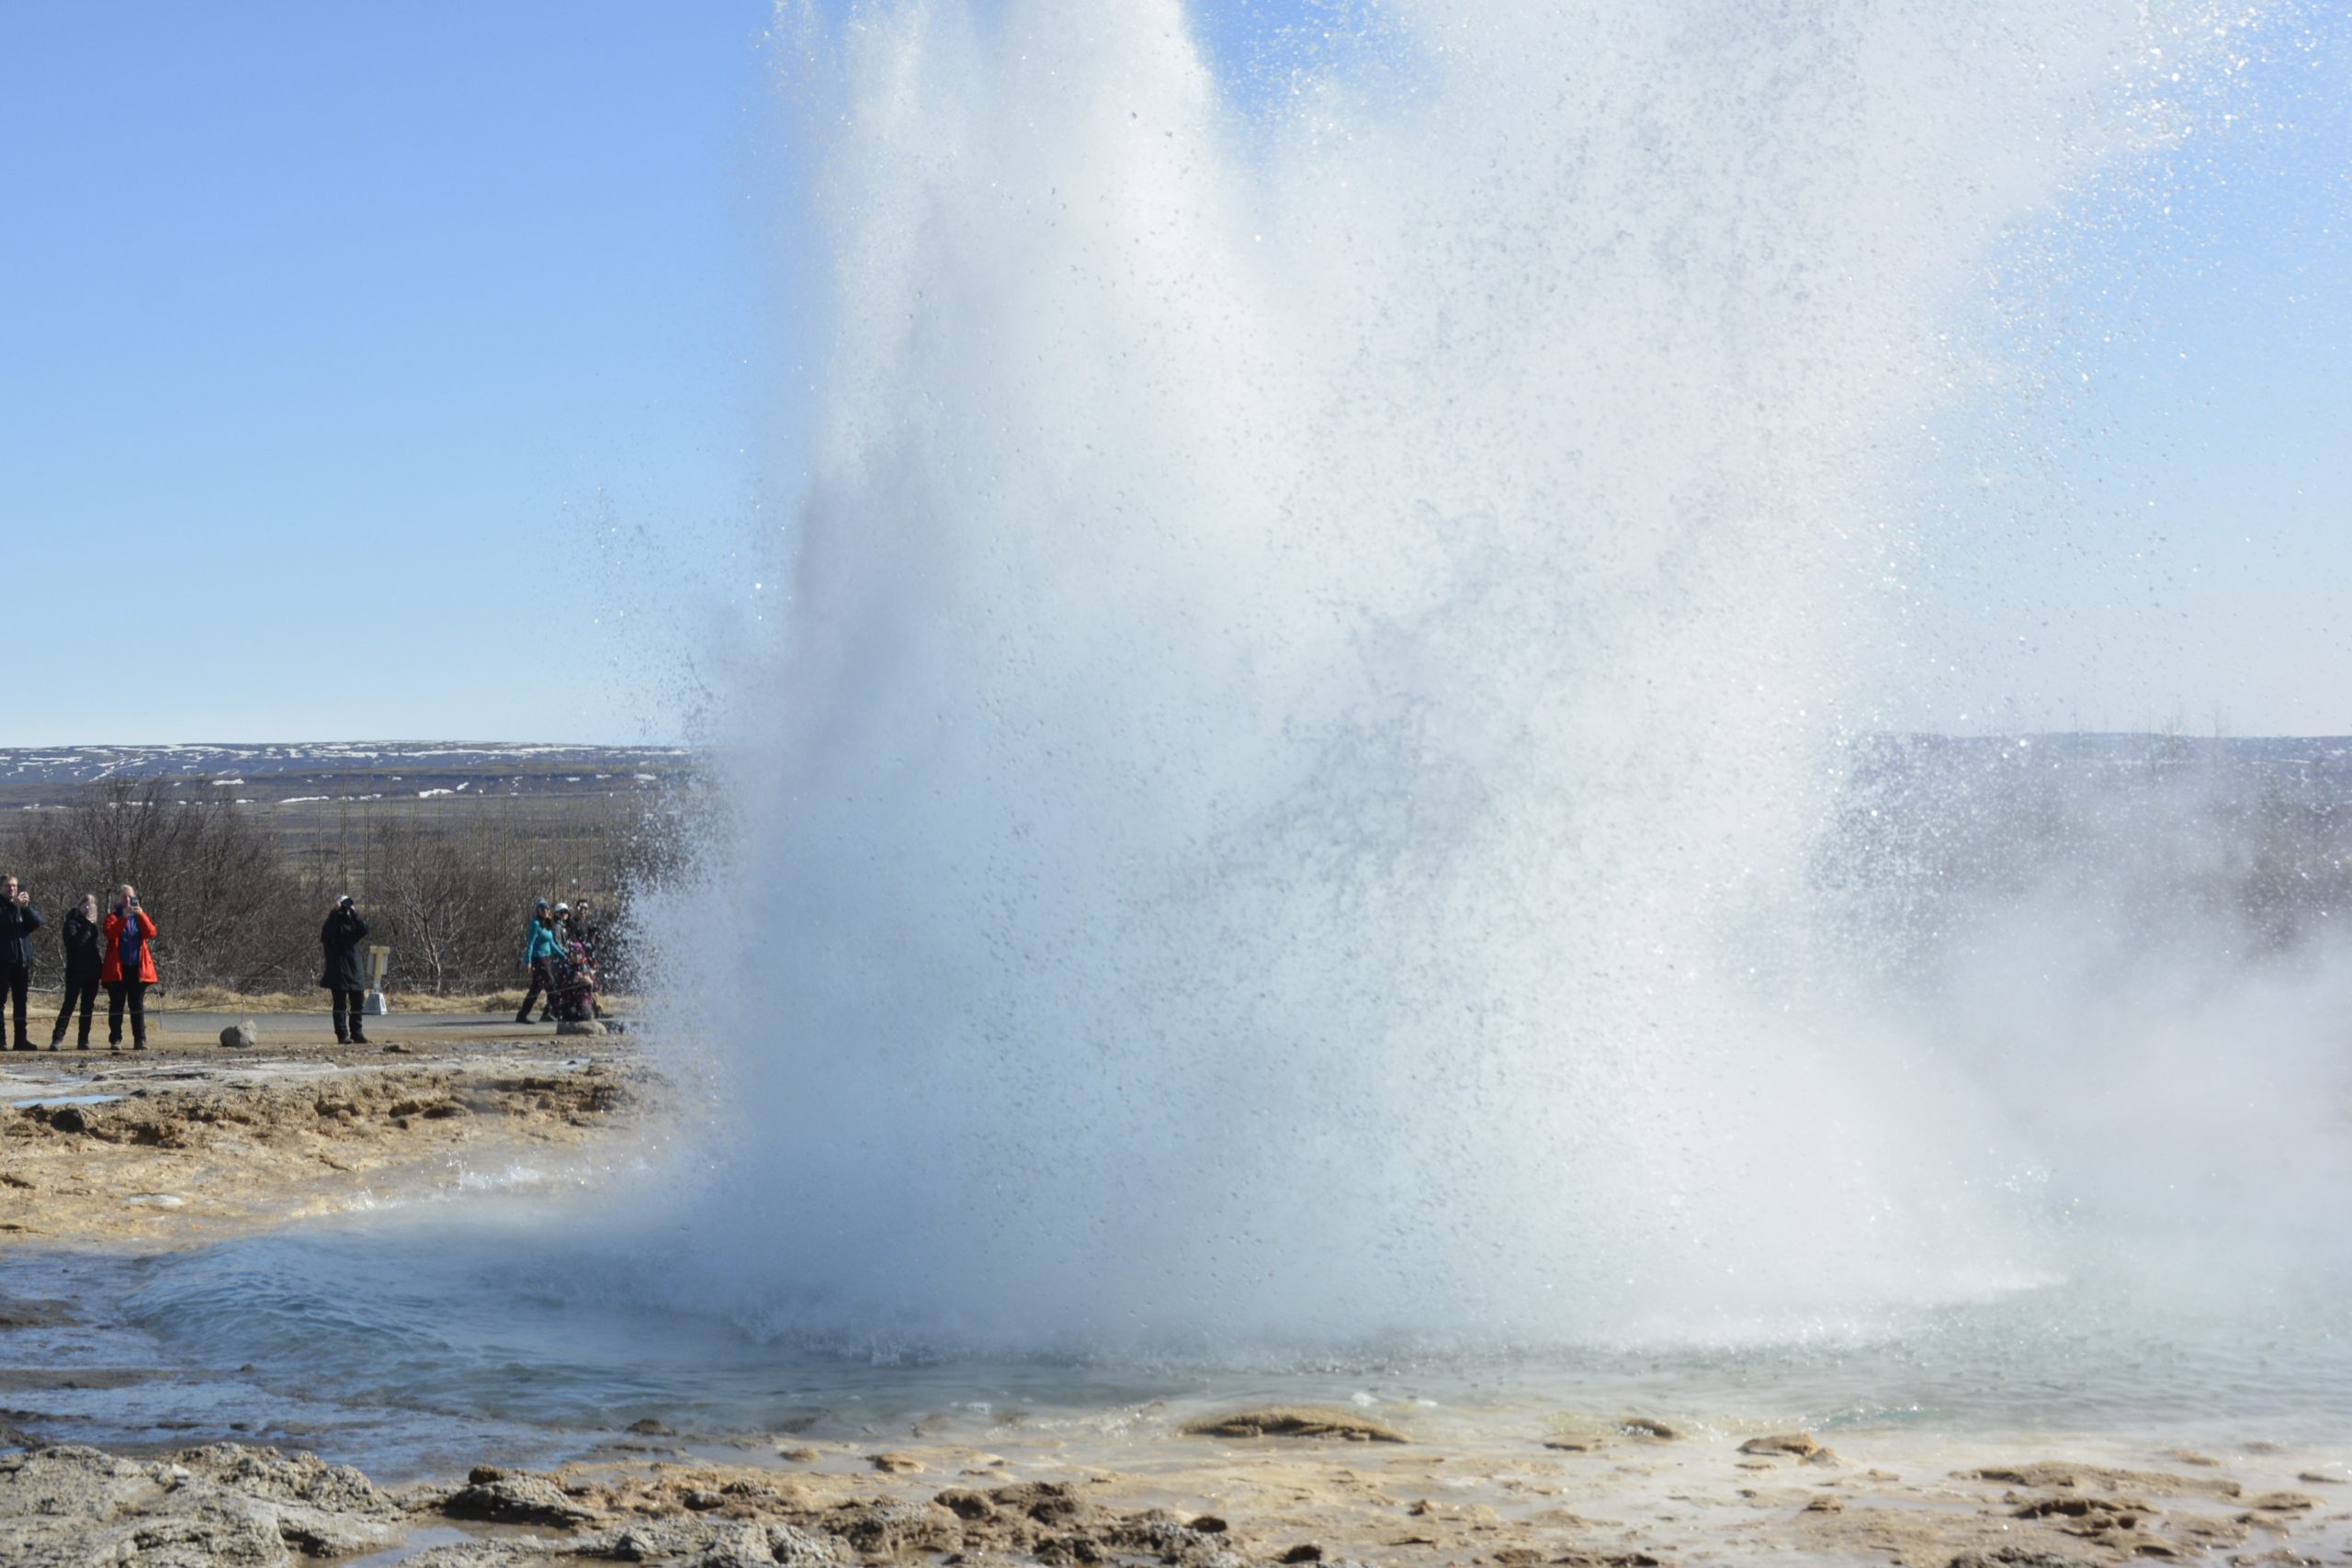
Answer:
(1325, 657)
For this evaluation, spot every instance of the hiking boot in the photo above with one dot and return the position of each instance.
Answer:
(357, 1038)
(522, 1018)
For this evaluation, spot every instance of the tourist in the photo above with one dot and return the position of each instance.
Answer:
(583, 931)
(129, 968)
(341, 937)
(84, 964)
(541, 946)
(583, 936)
(564, 937)
(18, 920)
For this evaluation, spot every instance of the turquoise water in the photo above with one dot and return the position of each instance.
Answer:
(415, 1345)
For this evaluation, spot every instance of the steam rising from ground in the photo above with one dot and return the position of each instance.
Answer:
(1324, 652)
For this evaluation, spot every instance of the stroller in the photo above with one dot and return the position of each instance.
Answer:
(573, 998)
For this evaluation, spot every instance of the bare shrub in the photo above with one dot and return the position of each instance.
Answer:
(239, 891)
(227, 909)
(451, 915)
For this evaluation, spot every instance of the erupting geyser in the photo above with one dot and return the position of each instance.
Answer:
(1325, 636)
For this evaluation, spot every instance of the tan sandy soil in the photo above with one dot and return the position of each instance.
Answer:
(186, 1141)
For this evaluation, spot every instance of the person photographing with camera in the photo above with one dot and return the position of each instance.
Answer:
(341, 937)
(130, 967)
(18, 920)
(84, 964)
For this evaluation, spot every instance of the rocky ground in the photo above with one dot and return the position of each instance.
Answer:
(1615, 1496)
(191, 1142)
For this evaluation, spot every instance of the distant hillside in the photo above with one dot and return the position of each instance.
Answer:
(343, 772)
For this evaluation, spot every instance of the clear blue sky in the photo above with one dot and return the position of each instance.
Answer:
(375, 369)
(328, 333)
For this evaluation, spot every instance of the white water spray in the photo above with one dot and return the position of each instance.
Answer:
(1322, 644)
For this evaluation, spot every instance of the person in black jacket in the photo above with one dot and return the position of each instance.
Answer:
(341, 937)
(83, 962)
(18, 920)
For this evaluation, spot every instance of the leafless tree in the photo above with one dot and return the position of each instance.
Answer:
(208, 870)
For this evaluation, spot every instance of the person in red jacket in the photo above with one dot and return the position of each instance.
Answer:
(129, 968)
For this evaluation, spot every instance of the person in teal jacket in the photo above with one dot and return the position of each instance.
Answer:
(540, 947)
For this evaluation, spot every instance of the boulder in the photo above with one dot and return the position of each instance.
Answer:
(239, 1036)
(1796, 1444)
(220, 1505)
(517, 1500)
(70, 1118)
(1301, 1421)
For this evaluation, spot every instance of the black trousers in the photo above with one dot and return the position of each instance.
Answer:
(355, 1005)
(131, 994)
(85, 993)
(15, 980)
(542, 979)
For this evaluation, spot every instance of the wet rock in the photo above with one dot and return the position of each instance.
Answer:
(2059, 1476)
(1796, 1444)
(526, 1552)
(224, 1505)
(706, 1545)
(2282, 1503)
(883, 1527)
(323, 1510)
(896, 1463)
(1305, 1552)
(517, 1500)
(650, 1543)
(70, 1118)
(1044, 1502)
(798, 1548)
(2079, 1514)
(1654, 1431)
(648, 1427)
(965, 1505)
(1209, 1524)
(1157, 1534)
(1301, 1421)
(22, 1312)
